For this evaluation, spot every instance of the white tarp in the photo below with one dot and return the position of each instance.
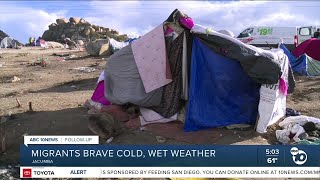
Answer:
(272, 105)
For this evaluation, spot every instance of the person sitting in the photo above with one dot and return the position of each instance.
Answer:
(317, 34)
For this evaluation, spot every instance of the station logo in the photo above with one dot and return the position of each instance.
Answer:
(26, 173)
(298, 156)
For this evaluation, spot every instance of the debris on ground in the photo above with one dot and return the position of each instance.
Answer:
(18, 103)
(161, 139)
(109, 140)
(299, 128)
(39, 61)
(241, 127)
(61, 55)
(85, 69)
(30, 107)
(292, 112)
(15, 79)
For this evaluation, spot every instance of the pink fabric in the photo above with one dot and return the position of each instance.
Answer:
(150, 55)
(168, 31)
(283, 86)
(98, 95)
(310, 47)
(187, 22)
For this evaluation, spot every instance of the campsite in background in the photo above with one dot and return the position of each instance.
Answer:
(183, 81)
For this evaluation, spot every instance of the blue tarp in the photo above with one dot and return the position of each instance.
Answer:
(291, 57)
(221, 93)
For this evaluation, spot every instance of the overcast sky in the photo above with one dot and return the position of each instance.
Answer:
(22, 19)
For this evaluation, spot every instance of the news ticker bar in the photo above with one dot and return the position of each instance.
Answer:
(169, 172)
(169, 156)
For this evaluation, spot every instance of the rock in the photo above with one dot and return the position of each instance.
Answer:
(79, 29)
(114, 32)
(88, 30)
(62, 21)
(75, 20)
(82, 21)
(53, 26)
(47, 35)
(104, 125)
(80, 42)
(98, 47)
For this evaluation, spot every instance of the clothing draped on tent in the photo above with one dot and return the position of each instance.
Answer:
(171, 101)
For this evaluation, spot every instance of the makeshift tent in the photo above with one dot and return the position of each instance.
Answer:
(8, 42)
(303, 65)
(219, 78)
(310, 47)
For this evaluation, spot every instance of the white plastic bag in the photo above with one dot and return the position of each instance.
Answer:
(272, 105)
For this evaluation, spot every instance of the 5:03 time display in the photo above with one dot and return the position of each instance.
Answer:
(272, 152)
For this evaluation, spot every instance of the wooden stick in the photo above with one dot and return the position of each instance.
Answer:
(30, 107)
(18, 102)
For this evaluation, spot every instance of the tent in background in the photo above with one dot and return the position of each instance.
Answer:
(8, 42)
(310, 47)
(304, 64)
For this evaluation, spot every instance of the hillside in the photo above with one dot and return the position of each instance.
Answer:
(79, 29)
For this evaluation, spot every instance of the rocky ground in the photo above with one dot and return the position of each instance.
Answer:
(57, 93)
(79, 29)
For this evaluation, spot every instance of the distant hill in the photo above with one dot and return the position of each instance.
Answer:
(79, 29)
(3, 35)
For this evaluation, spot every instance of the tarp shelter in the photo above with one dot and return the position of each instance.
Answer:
(219, 79)
(8, 42)
(303, 65)
(310, 47)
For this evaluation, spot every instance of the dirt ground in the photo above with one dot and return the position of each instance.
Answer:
(57, 93)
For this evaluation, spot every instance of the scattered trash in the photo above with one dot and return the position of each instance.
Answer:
(109, 140)
(241, 127)
(60, 55)
(85, 69)
(15, 79)
(292, 112)
(40, 61)
(18, 102)
(298, 128)
(142, 128)
(60, 59)
(161, 139)
(72, 56)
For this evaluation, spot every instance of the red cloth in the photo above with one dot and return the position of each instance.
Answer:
(310, 47)
(98, 95)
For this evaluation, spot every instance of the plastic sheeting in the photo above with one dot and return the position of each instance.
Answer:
(123, 83)
(221, 93)
(259, 64)
(116, 45)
